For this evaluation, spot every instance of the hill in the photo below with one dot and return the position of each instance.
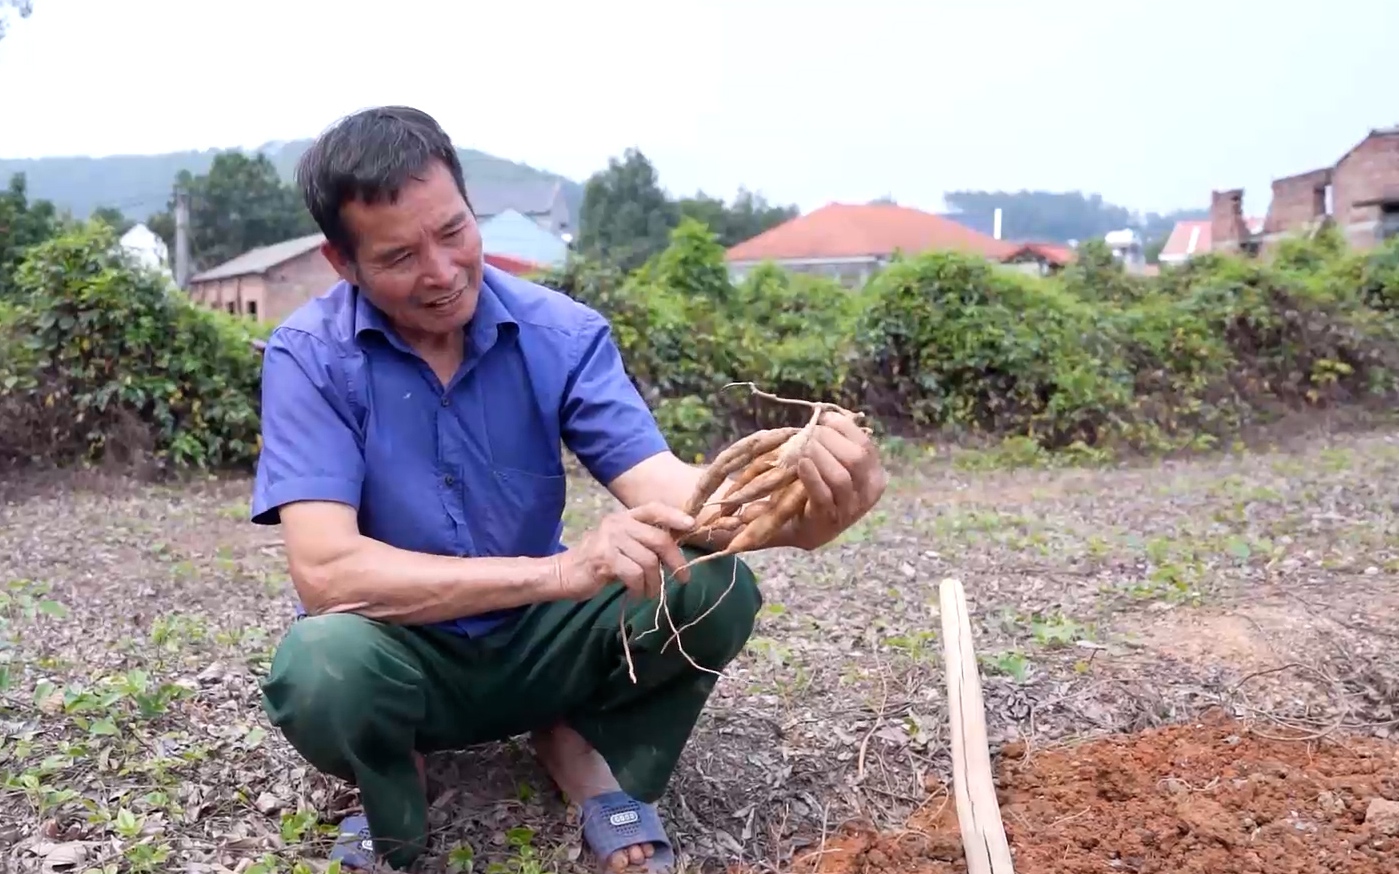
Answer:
(139, 185)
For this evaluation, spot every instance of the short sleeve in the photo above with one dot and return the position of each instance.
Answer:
(605, 421)
(310, 448)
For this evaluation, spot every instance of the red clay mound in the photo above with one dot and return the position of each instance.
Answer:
(1198, 799)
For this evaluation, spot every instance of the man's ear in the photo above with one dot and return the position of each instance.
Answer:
(342, 265)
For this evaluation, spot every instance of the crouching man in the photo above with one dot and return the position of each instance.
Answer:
(412, 422)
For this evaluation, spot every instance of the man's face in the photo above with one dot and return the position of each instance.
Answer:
(419, 259)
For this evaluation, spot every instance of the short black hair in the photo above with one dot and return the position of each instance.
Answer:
(369, 157)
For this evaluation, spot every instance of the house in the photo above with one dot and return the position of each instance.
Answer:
(1127, 248)
(1359, 194)
(540, 200)
(148, 249)
(268, 283)
(850, 242)
(1191, 237)
(1188, 238)
(513, 234)
(1039, 259)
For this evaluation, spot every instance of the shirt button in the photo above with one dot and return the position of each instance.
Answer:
(446, 401)
(449, 479)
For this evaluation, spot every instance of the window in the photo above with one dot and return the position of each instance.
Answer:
(232, 307)
(252, 309)
(1389, 221)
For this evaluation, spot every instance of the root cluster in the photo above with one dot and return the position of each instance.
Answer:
(766, 494)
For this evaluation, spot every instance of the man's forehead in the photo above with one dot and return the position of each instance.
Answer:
(406, 219)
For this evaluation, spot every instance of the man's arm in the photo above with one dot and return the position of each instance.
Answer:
(310, 474)
(338, 570)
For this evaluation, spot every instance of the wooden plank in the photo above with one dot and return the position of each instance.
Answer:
(978, 811)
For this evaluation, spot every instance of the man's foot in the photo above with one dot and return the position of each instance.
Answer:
(610, 818)
(615, 825)
(354, 848)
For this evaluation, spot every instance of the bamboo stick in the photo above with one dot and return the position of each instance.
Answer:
(978, 811)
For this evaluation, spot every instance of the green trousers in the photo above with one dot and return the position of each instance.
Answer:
(357, 697)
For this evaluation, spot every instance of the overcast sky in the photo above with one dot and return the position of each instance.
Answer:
(1149, 103)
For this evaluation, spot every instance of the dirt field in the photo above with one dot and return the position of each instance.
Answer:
(1210, 607)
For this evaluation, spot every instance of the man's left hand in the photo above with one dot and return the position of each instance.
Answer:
(844, 479)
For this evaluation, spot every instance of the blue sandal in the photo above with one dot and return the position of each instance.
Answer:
(354, 848)
(614, 821)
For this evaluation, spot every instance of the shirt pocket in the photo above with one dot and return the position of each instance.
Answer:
(527, 516)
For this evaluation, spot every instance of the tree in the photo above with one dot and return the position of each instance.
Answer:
(749, 215)
(23, 7)
(114, 217)
(1059, 216)
(626, 217)
(22, 225)
(240, 204)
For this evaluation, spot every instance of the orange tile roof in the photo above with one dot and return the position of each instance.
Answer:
(1201, 232)
(1192, 237)
(510, 264)
(1054, 253)
(844, 230)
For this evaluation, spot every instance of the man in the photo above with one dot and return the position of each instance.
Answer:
(411, 431)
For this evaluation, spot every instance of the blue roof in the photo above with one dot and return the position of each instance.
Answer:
(516, 235)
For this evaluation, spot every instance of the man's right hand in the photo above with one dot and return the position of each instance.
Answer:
(629, 547)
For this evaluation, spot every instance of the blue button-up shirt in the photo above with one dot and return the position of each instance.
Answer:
(473, 468)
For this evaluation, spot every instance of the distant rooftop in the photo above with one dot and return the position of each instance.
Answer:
(845, 230)
(260, 260)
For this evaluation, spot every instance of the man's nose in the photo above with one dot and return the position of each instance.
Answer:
(439, 269)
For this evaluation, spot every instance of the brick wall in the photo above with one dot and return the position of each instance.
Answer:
(1297, 201)
(293, 282)
(1227, 226)
(235, 295)
(1366, 176)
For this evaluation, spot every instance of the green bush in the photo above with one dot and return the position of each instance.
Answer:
(106, 360)
(947, 342)
(950, 340)
(100, 359)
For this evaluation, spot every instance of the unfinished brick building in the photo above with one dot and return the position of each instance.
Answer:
(1359, 194)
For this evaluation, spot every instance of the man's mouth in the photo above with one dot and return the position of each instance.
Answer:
(445, 301)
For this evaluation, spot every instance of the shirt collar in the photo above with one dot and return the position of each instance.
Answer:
(485, 327)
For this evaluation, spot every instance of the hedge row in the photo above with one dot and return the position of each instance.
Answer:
(98, 358)
(951, 343)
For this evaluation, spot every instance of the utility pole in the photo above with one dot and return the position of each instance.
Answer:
(182, 238)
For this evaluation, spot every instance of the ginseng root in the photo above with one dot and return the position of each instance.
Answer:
(764, 495)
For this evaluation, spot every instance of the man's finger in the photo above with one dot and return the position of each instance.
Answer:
(849, 453)
(646, 559)
(847, 428)
(662, 545)
(630, 574)
(664, 515)
(835, 476)
(819, 500)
